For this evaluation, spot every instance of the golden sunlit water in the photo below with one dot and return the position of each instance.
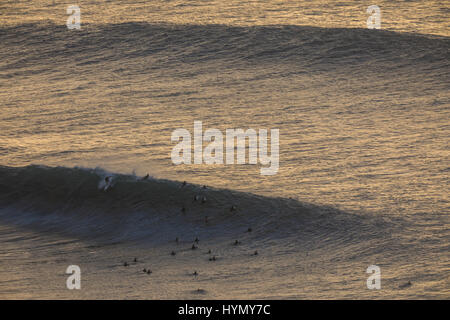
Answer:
(363, 117)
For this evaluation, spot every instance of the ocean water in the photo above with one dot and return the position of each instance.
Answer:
(363, 177)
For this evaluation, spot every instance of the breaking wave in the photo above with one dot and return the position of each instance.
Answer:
(75, 201)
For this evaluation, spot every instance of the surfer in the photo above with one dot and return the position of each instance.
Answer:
(408, 284)
(237, 242)
(146, 177)
(108, 181)
(183, 184)
(172, 253)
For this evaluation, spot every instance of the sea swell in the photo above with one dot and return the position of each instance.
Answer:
(74, 201)
(168, 45)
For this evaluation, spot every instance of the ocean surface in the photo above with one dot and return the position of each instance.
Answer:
(363, 179)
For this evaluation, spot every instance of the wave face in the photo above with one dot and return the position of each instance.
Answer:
(76, 201)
